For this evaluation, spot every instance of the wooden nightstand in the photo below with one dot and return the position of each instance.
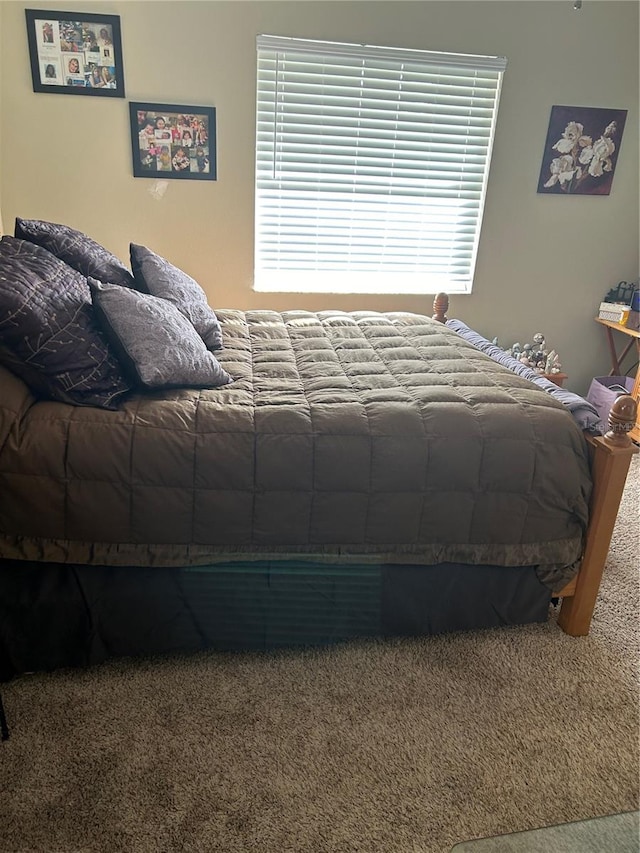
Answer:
(556, 378)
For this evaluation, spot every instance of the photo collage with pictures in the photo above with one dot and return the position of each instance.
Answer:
(173, 142)
(76, 53)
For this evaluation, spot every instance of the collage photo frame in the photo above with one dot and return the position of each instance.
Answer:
(173, 141)
(74, 53)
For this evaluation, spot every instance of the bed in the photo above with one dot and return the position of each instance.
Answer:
(348, 474)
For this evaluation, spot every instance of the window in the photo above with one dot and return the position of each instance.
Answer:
(371, 166)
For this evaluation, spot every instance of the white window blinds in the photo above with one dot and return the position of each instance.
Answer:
(371, 166)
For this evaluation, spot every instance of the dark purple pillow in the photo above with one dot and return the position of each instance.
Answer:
(157, 276)
(49, 336)
(155, 342)
(76, 249)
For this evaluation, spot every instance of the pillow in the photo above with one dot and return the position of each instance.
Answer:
(584, 413)
(157, 276)
(48, 333)
(157, 345)
(76, 249)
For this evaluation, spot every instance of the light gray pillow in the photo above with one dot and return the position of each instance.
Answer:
(156, 344)
(155, 275)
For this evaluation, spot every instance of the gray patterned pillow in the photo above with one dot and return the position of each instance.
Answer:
(48, 333)
(76, 249)
(157, 276)
(157, 346)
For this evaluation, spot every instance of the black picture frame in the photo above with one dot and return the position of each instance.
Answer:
(75, 53)
(581, 150)
(173, 141)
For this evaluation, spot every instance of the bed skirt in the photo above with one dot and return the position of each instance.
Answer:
(56, 615)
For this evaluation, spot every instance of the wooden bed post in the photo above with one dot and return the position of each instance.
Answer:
(611, 457)
(440, 307)
(610, 461)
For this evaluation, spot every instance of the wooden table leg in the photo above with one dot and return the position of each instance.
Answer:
(615, 364)
(616, 360)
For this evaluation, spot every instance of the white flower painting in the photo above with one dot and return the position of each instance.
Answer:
(581, 150)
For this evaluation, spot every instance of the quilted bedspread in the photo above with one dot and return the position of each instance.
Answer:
(376, 437)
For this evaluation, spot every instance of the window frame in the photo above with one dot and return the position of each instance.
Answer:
(286, 159)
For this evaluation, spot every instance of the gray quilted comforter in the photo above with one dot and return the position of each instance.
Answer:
(365, 436)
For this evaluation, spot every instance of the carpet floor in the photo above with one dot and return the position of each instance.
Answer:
(402, 746)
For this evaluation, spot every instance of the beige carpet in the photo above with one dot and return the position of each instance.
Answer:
(390, 747)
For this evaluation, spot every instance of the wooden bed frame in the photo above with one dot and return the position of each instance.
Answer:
(610, 460)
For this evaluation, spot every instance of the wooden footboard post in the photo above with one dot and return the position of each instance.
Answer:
(440, 307)
(611, 457)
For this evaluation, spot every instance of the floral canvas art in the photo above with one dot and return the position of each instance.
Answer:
(581, 150)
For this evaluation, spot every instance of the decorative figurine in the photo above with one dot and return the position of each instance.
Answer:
(535, 355)
(622, 292)
(552, 364)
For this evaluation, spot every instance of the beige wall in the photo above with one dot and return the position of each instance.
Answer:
(544, 261)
